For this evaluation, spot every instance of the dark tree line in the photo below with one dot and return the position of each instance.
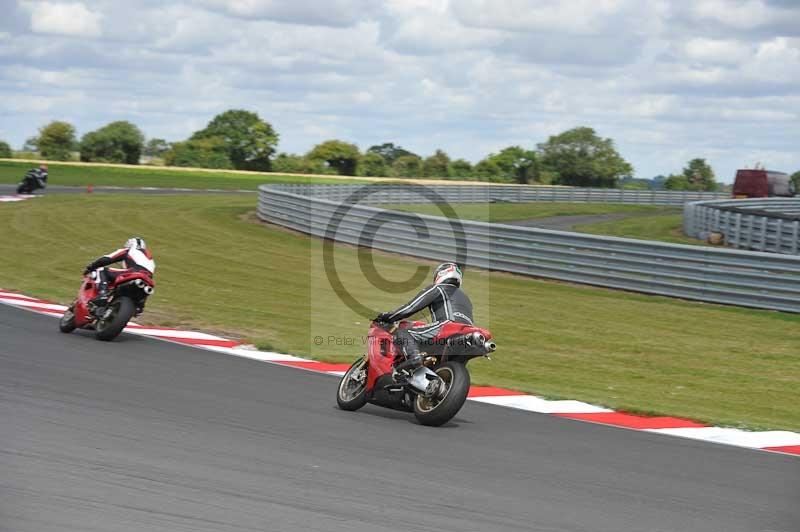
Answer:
(242, 140)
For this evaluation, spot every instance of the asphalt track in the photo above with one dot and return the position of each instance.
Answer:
(146, 435)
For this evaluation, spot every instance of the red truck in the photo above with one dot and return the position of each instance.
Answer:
(762, 184)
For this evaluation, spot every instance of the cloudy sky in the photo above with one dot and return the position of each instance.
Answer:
(667, 80)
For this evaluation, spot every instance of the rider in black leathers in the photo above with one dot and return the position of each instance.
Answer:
(446, 302)
(35, 178)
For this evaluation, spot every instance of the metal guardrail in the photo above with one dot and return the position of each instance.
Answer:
(400, 193)
(745, 278)
(764, 224)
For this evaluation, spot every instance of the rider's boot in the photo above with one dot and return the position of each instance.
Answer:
(101, 299)
(403, 370)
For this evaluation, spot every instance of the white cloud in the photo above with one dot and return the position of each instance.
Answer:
(72, 19)
(726, 51)
(668, 81)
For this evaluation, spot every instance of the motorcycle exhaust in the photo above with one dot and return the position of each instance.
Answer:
(489, 346)
(148, 289)
(478, 339)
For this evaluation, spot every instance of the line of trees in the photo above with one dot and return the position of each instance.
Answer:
(242, 140)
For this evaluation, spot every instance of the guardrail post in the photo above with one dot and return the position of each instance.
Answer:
(795, 236)
(738, 230)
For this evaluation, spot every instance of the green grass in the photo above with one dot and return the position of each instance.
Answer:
(647, 222)
(666, 228)
(508, 212)
(220, 271)
(143, 176)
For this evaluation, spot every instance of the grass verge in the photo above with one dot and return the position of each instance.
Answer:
(645, 222)
(665, 228)
(143, 176)
(220, 271)
(509, 212)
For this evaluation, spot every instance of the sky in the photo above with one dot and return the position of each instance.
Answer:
(668, 81)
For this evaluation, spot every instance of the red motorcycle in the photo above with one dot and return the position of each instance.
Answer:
(435, 391)
(126, 297)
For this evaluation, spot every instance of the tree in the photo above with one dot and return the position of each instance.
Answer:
(488, 170)
(460, 169)
(341, 156)
(516, 164)
(796, 180)
(249, 140)
(5, 150)
(657, 183)
(676, 182)
(210, 152)
(407, 166)
(436, 165)
(372, 164)
(117, 142)
(700, 175)
(156, 147)
(55, 141)
(389, 152)
(579, 157)
(297, 164)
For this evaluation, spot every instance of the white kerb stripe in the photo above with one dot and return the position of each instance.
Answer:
(742, 438)
(543, 406)
(32, 304)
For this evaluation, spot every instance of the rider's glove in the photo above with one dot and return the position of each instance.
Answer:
(87, 270)
(383, 317)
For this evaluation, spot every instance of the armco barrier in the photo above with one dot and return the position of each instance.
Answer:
(401, 193)
(764, 224)
(760, 280)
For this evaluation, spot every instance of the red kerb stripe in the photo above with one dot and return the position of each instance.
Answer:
(790, 449)
(632, 421)
(315, 366)
(196, 341)
(490, 391)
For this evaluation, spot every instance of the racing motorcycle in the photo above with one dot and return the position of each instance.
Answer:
(435, 391)
(126, 298)
(30, 183)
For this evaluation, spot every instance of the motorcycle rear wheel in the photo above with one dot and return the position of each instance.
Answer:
(67, 322)
(352, 392)
(122, 310)
(438, 411)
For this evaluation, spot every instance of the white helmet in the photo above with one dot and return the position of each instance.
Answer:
(448, 271)
(136, 243)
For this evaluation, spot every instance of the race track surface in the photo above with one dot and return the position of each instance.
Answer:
(144, 435)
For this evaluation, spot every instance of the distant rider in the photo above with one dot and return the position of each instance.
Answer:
(445, 301)
(135, 256)
(37, 176)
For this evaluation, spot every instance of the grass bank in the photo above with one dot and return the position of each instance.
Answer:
(666, 228)
(143, 176)
(645, 222)
(510, 212)
(220, 271)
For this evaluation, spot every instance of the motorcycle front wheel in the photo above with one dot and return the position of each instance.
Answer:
(352, 392)
(115, 319)
(67, 322)
(444, 405)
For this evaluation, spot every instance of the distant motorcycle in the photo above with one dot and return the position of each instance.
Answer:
(126, 298)
(30, 183)
(435, 392)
